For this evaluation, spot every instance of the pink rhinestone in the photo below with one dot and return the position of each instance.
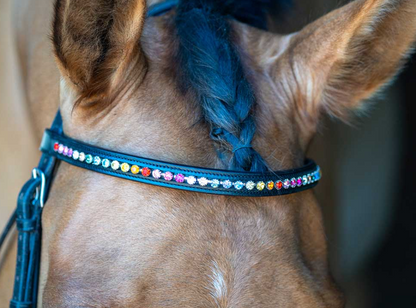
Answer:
(70, 151)
(156, 174)
(65, 151)
(168, 176)
(299, 182)
(180, 178)
(61, 149)
(293, 183)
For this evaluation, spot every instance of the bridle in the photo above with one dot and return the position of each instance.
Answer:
(56, 147)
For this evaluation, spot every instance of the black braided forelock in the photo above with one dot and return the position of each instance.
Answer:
(212, 68)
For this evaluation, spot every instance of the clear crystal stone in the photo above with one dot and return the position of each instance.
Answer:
(250, 185)
(286, 184)
(75, 155)
(203, 181)
(157, 174)
(191, 180)
(115, 165)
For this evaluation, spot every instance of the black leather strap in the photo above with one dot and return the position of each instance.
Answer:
(28, 221)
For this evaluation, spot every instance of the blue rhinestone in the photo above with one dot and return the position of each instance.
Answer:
(105, 163)
(215, 183)
(97, 160)
(227, 184)
(238, 185)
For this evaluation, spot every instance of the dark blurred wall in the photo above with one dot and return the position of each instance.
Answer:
(393, 268)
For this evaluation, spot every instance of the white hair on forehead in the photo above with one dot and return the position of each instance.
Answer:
(218, 286)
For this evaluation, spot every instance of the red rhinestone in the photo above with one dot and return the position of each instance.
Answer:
(279, 185)
(146, 171)
(56, 146)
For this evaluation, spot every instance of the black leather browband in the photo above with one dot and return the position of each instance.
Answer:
(166, 174)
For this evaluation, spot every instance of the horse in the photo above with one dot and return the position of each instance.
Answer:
(207, 85)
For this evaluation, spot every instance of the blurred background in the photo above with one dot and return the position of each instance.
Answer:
(367, 193)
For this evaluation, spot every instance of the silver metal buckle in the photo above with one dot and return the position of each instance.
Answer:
(40, 191)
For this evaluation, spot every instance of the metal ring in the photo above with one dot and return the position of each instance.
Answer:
(40, 191)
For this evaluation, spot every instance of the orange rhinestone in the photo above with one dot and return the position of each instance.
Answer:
(270, 185)
(135, 169)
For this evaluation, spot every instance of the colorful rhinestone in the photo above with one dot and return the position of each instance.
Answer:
(61, 148)
(146, 171)
(215, 183)
(238, 185)
(293, 183)
(286, 184)
(226, 184)
(105, 163)
(168, 176)
(125, 167)
(260, 185)
(88, 158)
(97, 160)
(81, 156)
(135, 169)
(157, 174)
(179, 178)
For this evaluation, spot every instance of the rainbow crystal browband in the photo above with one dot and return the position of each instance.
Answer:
(149, 171)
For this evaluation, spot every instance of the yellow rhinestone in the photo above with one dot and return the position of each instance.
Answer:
(270, 185)
(125, 167)
(260, 186)
(135, 169)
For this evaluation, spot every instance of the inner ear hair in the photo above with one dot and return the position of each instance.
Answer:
(94, 44)
(349, 54)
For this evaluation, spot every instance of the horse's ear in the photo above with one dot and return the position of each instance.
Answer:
(94, 42)
(346, 56)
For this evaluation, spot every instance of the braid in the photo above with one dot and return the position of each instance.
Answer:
(212, 68)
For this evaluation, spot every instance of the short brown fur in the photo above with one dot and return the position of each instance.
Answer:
(112, 243)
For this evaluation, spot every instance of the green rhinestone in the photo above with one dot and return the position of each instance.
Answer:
(88, 158)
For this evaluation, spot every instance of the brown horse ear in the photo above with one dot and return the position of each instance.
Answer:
(345, 57)
(95, 41)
